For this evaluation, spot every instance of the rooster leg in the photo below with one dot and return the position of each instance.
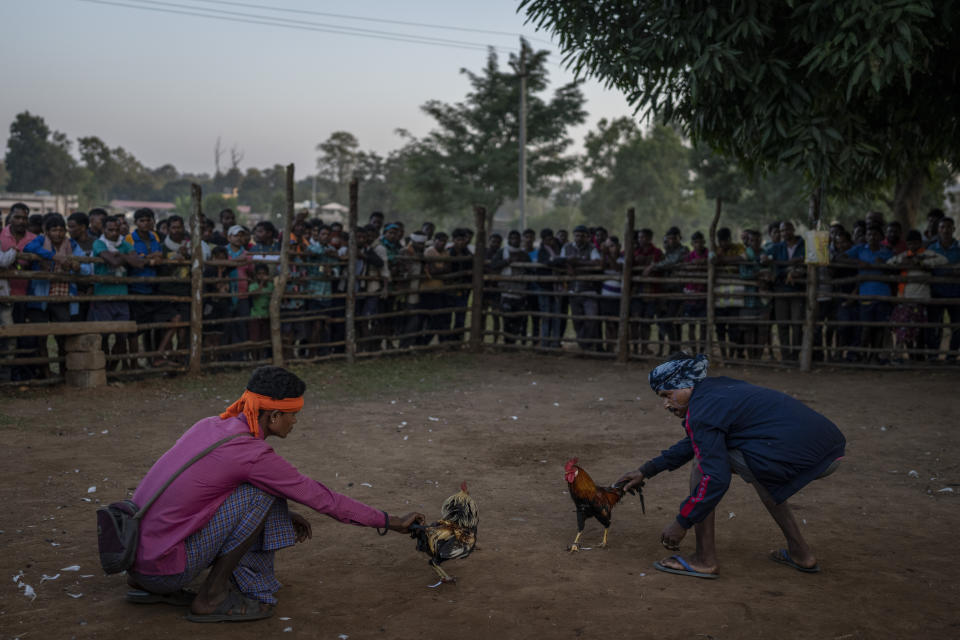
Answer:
(444, 576)
(603, 544)
(576, 542)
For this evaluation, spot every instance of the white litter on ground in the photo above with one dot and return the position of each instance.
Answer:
(73, 567)
(92, 490)
(366, 484)
(432, 419)
(946, 490)
(45, 577)
(913, 474)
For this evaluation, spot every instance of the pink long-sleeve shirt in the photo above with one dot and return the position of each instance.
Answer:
(189, 503)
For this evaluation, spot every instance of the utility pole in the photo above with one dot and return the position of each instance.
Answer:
(522, 195)
(313, 197)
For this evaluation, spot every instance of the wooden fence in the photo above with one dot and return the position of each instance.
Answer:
(328, 310)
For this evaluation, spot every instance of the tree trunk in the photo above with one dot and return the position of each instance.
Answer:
(907, 196)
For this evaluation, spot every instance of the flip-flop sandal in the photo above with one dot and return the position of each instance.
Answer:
(235, 601)
(182, 598)
(782, 556)
(686, 571)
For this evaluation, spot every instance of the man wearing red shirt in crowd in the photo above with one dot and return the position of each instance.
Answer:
(16, 236)
(893, 238)
(641, 304)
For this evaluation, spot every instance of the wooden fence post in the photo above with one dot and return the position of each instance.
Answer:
(280, 280)
(809, 319)
(477, 321)
(626, 291)
(711, 284)
(196, 281)
(351, 299)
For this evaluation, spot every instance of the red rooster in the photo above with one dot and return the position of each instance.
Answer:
(591, 501)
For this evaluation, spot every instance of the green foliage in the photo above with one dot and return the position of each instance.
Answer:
(339, 158)
(650, 172)
(38, 159)
(854, 94)
(471, 157)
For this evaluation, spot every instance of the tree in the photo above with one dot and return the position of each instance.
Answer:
(37, 158)
(338, 160)
(471, 157)
(857, 95)
(629, 169)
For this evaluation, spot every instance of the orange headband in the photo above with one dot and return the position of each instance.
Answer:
(251, 404)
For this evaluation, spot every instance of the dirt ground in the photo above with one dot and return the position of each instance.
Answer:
(414, 428)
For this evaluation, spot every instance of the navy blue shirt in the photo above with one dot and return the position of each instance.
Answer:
(785, 443)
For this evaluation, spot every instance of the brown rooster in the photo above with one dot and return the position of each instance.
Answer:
(591, 501)
(453, 536)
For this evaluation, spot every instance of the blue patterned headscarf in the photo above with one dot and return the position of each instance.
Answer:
(679, 374)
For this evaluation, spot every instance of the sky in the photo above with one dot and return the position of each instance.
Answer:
(164, 86)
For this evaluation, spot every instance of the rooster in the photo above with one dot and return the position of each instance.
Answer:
(453, 536)
(591, 500)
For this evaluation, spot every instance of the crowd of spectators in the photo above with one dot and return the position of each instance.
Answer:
(412, 288)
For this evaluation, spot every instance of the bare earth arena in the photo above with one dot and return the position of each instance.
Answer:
(401, 435)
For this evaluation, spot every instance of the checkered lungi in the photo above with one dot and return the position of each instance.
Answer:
(232, 523)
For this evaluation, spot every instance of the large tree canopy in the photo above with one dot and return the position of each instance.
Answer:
(471, 157)
(856, 94)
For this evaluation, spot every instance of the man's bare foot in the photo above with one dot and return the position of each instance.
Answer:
(694, 563)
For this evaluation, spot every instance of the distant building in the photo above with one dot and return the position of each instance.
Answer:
(129, 206)
(40, 202)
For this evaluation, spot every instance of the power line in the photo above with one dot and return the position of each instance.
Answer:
(339, 28)
(368, 19)
(302, 26)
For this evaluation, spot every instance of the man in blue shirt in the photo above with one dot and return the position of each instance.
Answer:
(146, 244)
(945, 245)
(771, 440)
(866, 255)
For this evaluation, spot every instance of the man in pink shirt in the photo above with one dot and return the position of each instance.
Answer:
(228, 511)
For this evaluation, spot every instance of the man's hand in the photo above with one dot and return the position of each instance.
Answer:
(301, 527)
(629, 480)
(671, 535)
(401, 524)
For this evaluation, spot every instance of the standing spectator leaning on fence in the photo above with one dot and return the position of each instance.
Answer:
(431, 297)
(236, 332)
(145, 244)
(913, 290)
(611, 292)
(78, 226)
(117, 257)
(15, 235)
(695, 302)
(460, 271)
(581, 255)
(551, 326)
(58, 255)
(947, 246)
(511, 291)
(729, 300)
(789, 253)
(176, 247)
(674, 254)
(324, 263)
(229, 510)
(643, 301)
(7, 258)
(755, 309)
(865, 256)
